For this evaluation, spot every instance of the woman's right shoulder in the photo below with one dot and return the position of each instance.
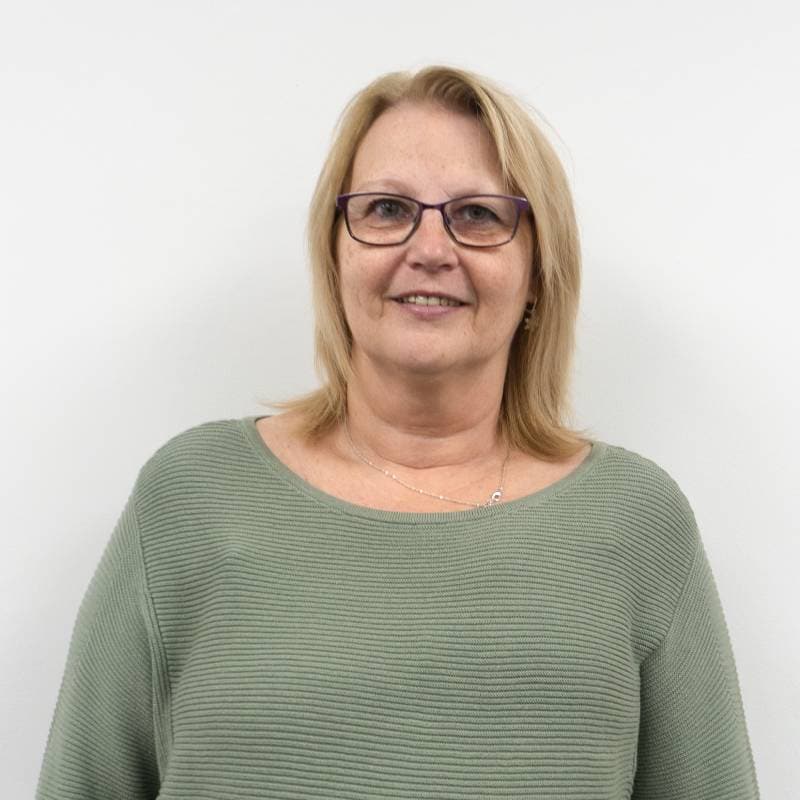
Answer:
(185, 466)
(193, 477)
(191, 443)
(216, 450)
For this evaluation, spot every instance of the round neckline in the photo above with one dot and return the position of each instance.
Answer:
(268, 457)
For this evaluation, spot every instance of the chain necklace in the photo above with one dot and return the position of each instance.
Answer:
(494, 498)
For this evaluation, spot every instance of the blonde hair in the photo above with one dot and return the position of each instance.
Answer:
(535, 395)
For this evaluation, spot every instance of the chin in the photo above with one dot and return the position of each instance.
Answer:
(426, 364)
(413, 363)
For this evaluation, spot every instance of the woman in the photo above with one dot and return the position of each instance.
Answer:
(416, 581)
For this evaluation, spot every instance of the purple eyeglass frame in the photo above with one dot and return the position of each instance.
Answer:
(342, 200)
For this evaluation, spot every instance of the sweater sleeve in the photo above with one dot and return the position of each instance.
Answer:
(101, 742)
(693, 742)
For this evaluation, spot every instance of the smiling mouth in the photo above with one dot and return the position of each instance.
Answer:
(428, 300)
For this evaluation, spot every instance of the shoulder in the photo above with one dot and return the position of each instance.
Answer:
(648, 511)
(188, 463)
(643, 483)
(193, 441)
(654, 527)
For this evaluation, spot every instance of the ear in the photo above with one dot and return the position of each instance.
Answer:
(530, 297)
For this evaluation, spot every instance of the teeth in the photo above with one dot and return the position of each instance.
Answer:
(429, 300)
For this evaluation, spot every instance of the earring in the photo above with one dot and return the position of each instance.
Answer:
(527, 318)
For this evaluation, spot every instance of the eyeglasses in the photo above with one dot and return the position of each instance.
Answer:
(479, 220)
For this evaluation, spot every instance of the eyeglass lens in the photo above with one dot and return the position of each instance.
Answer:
(478, 220)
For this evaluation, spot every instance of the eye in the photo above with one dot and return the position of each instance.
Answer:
(389, 208)
(472, 213)
(478, 213)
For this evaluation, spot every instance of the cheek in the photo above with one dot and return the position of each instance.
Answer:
(345, 264)
(504, 285)
(519, 271)
(339, 250)
(360, 280)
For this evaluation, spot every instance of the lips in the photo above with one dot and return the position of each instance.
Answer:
(428, 299)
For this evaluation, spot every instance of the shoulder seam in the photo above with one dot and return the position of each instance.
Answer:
(155, 626)
(684, 585)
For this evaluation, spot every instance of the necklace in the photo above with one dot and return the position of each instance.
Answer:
(494, 498)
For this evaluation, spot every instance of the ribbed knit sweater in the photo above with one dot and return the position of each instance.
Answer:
(246, 635)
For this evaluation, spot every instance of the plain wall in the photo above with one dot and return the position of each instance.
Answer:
(156, 163)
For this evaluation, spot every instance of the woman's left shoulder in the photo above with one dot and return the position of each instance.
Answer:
(646, 502)
(639, 474)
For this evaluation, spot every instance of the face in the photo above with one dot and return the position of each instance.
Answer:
(432, 155)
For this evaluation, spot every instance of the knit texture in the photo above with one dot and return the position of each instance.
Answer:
(246, 635)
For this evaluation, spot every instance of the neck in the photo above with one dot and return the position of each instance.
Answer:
(423, 422)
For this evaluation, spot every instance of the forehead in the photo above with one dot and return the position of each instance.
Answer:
(427, 148)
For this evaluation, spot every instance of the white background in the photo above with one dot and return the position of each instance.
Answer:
(156, 163)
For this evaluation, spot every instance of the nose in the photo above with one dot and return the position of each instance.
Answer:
(431, 245)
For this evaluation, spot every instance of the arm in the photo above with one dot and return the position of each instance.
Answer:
(693, 742)
(102, 741)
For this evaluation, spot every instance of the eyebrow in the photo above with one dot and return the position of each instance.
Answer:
(381, 184)
(392, 185)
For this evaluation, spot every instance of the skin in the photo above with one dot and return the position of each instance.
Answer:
(411, 375)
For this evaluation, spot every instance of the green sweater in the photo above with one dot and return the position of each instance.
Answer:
(246, 635)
